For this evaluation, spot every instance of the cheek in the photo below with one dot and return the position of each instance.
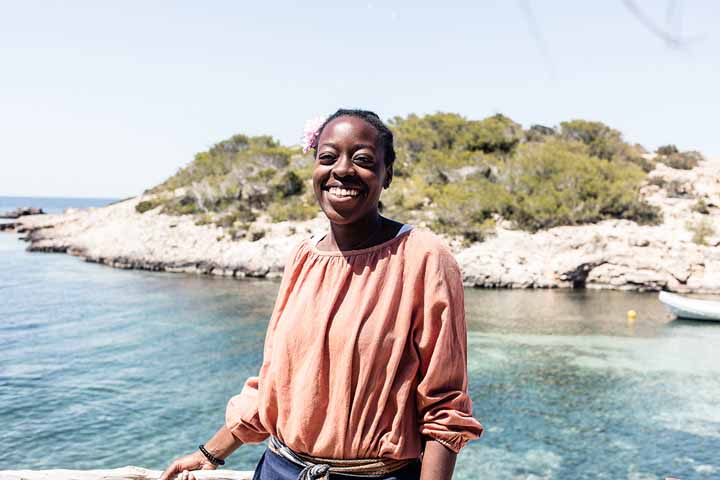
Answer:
(317, 181)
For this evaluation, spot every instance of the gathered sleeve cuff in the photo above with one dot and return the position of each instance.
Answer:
(440, 335)
(241, 414)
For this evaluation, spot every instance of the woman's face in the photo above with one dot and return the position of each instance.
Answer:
(350, 170)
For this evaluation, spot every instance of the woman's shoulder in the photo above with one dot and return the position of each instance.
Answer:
(421, 240)
(430, 252)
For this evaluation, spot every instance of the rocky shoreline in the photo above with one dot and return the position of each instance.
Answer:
(22, 211)
(614, 254)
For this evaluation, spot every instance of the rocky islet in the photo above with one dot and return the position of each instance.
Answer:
(613, 254)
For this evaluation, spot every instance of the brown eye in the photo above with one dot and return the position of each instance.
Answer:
(326, 158)
(363, 159)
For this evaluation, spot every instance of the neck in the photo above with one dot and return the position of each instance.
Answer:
(353, 235)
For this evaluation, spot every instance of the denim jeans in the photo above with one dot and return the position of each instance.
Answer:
(274, 467)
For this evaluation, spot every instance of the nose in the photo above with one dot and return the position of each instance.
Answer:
(344, 167)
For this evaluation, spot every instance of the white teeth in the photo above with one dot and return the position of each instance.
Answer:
(344, 192)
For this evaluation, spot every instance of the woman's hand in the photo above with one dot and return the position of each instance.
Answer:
(221, 445)
(180, 469)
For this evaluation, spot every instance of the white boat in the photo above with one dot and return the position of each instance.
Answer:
(684, 307)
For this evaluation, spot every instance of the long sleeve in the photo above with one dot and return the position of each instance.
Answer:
(242, 415)
(440, 335)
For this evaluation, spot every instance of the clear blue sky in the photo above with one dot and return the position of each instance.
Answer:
(109, 98)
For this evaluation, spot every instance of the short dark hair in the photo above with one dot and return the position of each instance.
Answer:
(384, 133)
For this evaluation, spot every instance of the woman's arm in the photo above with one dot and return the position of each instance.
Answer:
(221, 445)
(438, 462)
(440, 336)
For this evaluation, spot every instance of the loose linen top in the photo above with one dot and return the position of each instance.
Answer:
(365, 354)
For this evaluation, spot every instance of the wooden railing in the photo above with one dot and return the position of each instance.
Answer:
(124, 473)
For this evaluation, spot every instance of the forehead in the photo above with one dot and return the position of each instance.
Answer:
(349, 129)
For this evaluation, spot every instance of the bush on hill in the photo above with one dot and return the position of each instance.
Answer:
(680, 160)
(456, 175)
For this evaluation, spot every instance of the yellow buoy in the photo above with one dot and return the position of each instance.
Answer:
(631, 315)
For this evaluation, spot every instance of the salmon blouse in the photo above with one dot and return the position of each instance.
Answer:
(365, 354)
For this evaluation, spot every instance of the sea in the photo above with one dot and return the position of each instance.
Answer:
(104, 368)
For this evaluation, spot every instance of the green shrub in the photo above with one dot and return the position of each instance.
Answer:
(678, 189)
(146, 205)
(701, 230)
(681, 161)
(287, 183)
(448, 134)
(494, 134)
(466, 208)
(657, 181)
(667, 150)
(205, 219)
(645, 164)
(297, 210)
(405, 193)
(241, 215)
(701, 206)
(558, 183)
(184, 205)
(539, 133)
(602, 141)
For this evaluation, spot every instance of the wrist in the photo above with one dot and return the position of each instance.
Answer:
(202, 462)
(212, 455)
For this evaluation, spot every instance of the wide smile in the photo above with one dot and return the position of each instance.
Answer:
(344, 194)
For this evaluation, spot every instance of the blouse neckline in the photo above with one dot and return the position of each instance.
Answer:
(402, 233)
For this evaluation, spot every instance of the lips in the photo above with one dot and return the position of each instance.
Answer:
(343, 192)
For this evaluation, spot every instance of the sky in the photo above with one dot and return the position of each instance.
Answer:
(106, 99)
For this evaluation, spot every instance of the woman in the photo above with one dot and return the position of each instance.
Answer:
(364, 370)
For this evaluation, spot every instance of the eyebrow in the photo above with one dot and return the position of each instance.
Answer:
(364, 145)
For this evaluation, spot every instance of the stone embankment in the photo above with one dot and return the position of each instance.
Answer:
(681, 254)
(125, 473)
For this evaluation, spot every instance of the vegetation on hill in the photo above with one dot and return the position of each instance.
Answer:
(457, 176)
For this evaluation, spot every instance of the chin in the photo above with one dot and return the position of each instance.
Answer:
(337, 217)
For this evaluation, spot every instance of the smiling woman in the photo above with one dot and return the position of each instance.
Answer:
(354, 162)
(364, 371)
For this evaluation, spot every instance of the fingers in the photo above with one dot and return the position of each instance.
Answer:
(186, 475)
(170, 472)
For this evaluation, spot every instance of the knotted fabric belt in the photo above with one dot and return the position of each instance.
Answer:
(316, 468)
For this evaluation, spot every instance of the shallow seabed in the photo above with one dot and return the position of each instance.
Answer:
(102, 368)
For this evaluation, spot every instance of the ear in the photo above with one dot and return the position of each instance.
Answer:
(388, 176)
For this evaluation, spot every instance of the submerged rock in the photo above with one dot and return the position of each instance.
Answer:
(22, 211)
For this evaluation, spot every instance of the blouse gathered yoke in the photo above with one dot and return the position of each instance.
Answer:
(365, 354)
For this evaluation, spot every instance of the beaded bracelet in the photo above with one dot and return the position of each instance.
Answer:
(215, 461)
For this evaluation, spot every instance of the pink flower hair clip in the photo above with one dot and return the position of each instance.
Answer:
(312, 132)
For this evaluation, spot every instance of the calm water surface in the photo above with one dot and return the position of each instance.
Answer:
(103, 368)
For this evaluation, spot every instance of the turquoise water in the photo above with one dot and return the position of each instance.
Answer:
(102, 368)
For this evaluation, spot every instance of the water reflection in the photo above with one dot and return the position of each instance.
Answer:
(145, 362)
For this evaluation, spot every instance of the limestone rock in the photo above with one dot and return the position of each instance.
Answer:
(614, 254)
(22, 211)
